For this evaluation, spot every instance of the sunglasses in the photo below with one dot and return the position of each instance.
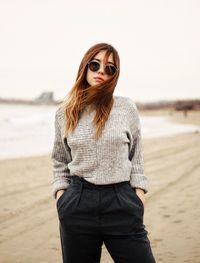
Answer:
(94, 66)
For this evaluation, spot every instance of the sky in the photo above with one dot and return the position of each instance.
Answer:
(43, 41)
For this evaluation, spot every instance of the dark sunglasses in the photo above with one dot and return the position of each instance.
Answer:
(94, 66)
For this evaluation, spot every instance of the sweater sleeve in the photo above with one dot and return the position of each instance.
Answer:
(137, 178)
(60, 157)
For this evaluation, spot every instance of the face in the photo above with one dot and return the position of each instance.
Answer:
(94, 78)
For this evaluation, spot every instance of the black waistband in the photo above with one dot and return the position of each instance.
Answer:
(79, 179)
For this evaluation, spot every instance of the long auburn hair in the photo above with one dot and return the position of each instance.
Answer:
(82, 94)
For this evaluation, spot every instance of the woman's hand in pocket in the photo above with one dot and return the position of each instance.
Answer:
(140, 194)
(59, 193)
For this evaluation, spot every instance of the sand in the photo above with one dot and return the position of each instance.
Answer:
(29, 228)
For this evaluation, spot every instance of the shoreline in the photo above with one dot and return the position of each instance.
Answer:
(167, 125)
(193, 116)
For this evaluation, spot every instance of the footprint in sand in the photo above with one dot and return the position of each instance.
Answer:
(189, 195)
(181, 211)
(177, 221)
(166, 216)
(163, 207)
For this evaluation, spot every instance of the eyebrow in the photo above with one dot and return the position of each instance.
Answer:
(100, 61)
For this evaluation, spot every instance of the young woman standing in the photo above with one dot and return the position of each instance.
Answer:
(99, 180)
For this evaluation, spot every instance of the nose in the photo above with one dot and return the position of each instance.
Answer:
(101, 69)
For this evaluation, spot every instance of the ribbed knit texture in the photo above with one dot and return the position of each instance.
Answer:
(115, 157)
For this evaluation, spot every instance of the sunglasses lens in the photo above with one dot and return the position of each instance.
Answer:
(110, 70)
(93, 66)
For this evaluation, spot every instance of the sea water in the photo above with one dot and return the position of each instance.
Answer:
(28, 130)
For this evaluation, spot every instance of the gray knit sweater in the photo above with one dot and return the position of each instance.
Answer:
(117, 156)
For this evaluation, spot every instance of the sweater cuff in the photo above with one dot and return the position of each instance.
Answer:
(139, 181)
(59, 185)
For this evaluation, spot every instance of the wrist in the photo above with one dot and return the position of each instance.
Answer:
(141, 194)
(139, 190)
(59, 193)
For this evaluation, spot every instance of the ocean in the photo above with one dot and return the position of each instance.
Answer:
(28, 130)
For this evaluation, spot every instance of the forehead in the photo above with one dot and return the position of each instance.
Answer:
(102, 56)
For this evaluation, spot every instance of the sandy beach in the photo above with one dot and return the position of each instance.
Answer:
(29, 227)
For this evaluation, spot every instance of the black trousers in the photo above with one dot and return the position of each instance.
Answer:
(92, 214)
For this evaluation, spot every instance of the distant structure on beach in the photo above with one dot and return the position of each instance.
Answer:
(179, 105)
(45, 98)
(187, 105)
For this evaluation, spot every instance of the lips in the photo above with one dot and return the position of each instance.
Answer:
(98, 79)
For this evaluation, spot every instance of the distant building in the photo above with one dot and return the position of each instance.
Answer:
(45, 98)
(187, 105)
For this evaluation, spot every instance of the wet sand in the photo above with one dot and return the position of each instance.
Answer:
(29, 228)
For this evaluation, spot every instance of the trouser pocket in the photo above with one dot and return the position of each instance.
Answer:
(131, 203)
(133, 192)
(68, 202)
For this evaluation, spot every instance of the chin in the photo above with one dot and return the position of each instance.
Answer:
(94, 83)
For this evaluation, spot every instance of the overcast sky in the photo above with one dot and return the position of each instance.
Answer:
(43, 41)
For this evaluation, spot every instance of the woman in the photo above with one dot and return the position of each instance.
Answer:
(99, 182)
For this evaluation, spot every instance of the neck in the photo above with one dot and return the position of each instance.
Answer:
(90, 108)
